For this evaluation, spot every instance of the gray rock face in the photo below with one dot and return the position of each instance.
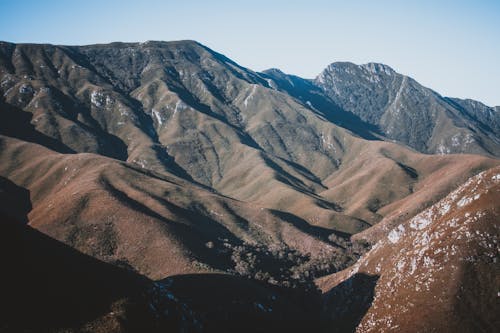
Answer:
(487, 117)
(409, 113)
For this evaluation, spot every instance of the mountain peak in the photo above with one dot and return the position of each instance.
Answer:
(378, 68)
(405, 111)
(274, 71)
(372, 67)
(147, 44)
(161, 43)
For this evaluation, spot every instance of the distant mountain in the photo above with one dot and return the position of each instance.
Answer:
(375, 98)
(409, 113)
(486, 116)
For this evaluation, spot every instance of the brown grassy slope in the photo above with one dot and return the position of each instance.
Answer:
(380, 182)
(181, 108)
(168, 107)
(157, 224)
(436, 272)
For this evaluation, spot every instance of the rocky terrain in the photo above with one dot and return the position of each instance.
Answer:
(174, 165)
(438, 271)
(405, 111)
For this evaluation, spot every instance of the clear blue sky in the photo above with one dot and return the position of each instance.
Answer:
(450, 46)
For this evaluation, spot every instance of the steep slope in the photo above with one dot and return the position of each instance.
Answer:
(313, 97)
(158, 225)
(170, 160)
(180, 108)
(194, 132)
(435, 272)
(382, 184)
(409, 113)
(486, 116)
(47, 286)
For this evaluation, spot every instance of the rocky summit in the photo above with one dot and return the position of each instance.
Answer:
(160, 186)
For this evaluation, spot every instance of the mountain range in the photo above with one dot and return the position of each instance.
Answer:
(168, 161)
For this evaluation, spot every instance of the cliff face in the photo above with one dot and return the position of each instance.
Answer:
(410, 113)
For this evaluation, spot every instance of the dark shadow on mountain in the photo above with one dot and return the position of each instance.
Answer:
(166, 178)
(285, 177)
(46, 285)
(171, 165)
(14, 200)
(17, 124)
(312, 97)
(246, 139)
(346, 304)
(226, 303)
(232, 65)
(481, 124)
(190, 99)
(109, 145)
(198, 229)
(238, 219)
(328, 205)
(304, 226)
(304, 172)
(193, 101)
(6, 51)
(412, 172)
(86, 55)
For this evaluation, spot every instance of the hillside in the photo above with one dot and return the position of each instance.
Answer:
(180, 108)
(435, 272)
(49, 287)
(192, 178)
